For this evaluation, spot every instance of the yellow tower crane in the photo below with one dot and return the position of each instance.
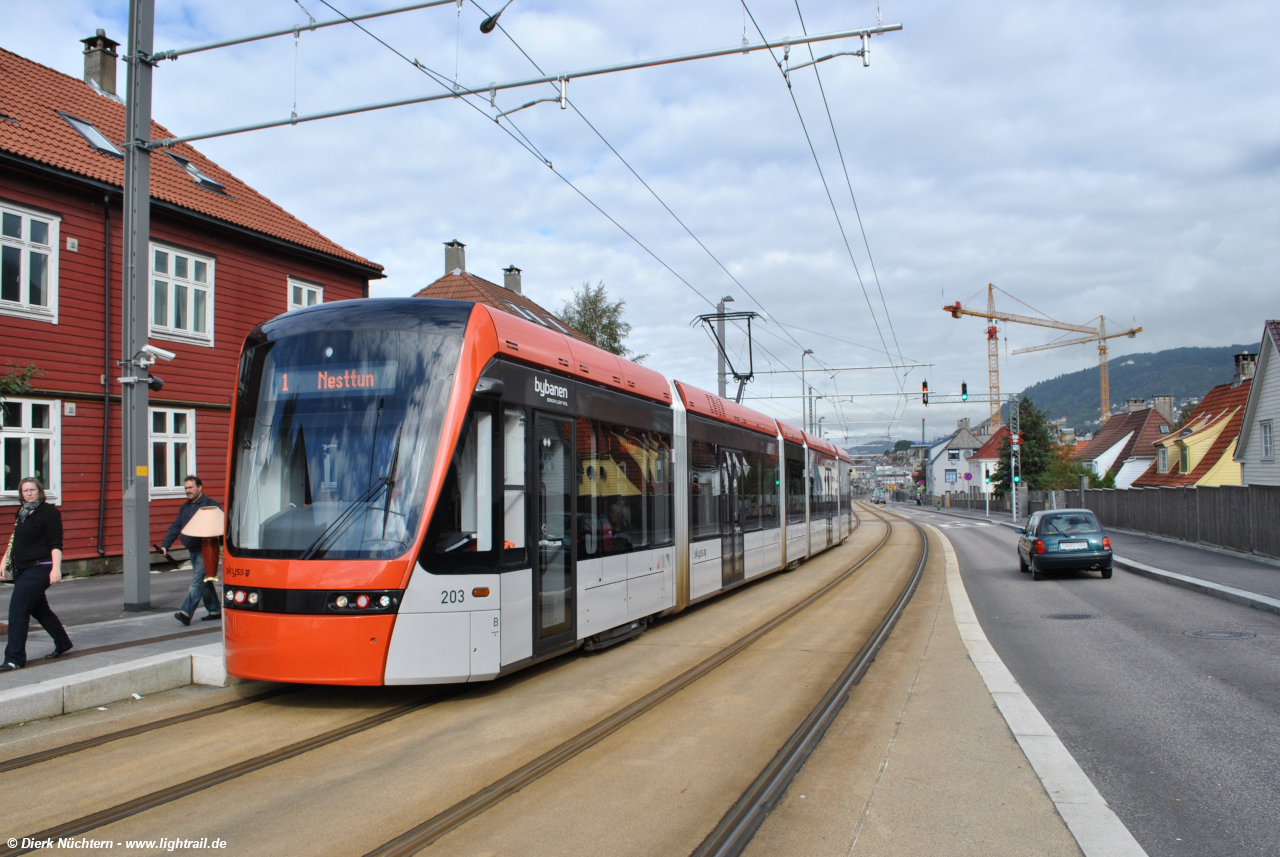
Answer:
(1094, 334)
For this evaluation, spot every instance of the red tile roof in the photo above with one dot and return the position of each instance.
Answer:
(469, 287)
(30, 128)
(991, 449)
(1145, 427)
(1222, 402)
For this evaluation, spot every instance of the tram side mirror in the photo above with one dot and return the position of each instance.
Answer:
(490, 387)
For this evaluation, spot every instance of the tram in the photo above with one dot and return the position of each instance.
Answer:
(431, 491)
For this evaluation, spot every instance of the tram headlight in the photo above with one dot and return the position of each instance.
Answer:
(231, 595)
(340, 601)
(384, 601)
(253, 598)
(240, 596)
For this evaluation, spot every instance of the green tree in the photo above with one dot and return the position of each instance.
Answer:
(1064, 474)
(1038, 451)
(591, 313)
(902, 446)
(16, 380)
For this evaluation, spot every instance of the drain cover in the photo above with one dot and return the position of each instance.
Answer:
(1220, 635)
(1070, 616)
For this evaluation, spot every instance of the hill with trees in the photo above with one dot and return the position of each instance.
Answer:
(1184, 373)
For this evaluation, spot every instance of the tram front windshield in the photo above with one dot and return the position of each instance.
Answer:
(334, 441)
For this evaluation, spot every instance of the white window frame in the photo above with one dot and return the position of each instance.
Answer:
(169, 438)
(23, 308)
(307, 289)
(53, 488)
(1162, 465)
(950, 475)
(172, 282)
(1268, 440)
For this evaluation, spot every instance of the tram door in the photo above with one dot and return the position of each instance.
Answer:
(829, 503)
(732, 545)
(554, 575)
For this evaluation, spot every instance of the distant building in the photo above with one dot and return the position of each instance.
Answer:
(984, 462)
(1201, 451)
(460, 285)
(1123, 447)
(1256, 451)
(946, 460)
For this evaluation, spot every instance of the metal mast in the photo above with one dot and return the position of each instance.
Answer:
(993, 359)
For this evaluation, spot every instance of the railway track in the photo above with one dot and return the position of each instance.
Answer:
(739, 823)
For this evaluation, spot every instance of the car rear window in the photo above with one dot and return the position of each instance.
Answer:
(1069, 524)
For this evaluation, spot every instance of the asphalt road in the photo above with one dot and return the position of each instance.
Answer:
(1180, 734)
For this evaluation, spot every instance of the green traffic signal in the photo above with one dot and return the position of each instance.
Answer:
(964, 391)
(1017, 478)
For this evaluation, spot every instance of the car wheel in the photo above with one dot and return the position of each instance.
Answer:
(1106, 572)
(1036, 574)
(1022, 566)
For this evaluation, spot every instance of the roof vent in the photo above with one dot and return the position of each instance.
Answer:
(511, 279)
(455, 257)
(100, 62)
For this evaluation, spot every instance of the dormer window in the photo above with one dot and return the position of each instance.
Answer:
(200, 178)
(92, 135)
(1164, 429)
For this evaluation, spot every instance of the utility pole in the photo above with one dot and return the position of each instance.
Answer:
(804, 395)
(721, 381)
(133, 331)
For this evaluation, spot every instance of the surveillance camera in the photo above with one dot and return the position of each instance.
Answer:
(158, 353)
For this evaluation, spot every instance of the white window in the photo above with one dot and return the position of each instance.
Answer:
(173, 450)
(1163, 465)
(28, 263)
(953, 455)
(1268, 446)
(30, 430)
(949, 476)
(181, 295)
(304, 294)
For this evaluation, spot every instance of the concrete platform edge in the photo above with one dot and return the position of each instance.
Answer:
(200, 665)
(1097, 829)
(1207, 587)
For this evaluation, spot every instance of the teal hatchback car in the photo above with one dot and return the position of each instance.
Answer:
(1063, 540)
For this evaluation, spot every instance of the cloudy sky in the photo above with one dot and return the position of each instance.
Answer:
(1086, 157)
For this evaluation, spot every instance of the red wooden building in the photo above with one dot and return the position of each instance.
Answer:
(223, 258)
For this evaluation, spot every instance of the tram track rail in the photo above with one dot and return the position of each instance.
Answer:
(422, 835)
(475, 805)
(141, 729)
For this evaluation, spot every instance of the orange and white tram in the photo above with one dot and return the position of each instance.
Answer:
(426, 491)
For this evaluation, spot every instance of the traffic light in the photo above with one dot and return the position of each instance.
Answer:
(1017, 477)
(964, 391)
(986, 475)
(924, 392)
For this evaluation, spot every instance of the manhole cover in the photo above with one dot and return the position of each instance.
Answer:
(1070, 616)
(1220, 635)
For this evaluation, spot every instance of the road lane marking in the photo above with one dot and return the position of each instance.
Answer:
(1097, 829)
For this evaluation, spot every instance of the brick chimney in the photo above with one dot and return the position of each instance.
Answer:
(1164, 407)
(1245, 364)
(1136, 405)
(100, 62)
(511, 279)
(963, 424)
(455, 257)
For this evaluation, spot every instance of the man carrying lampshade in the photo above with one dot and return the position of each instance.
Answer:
(199, 526)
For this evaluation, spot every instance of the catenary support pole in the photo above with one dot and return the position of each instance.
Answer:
(721, 386)
(133, 332)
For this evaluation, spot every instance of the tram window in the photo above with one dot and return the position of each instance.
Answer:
(624, 489)
(704, 491)
(462, 528)
(513, 479)
(795, 487)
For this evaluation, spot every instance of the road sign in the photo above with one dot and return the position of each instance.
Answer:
(968, 476)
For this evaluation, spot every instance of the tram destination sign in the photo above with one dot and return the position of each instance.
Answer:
(343, 379)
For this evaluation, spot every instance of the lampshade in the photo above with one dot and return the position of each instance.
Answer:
(206, 523)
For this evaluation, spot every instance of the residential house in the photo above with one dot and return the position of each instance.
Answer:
(222, 259)
(1201, 451)
(1256, 450)
(984, 462)
(946, 460)
(460, 285)
(1122, 448)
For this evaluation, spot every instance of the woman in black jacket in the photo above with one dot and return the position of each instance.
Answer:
(37, 565)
